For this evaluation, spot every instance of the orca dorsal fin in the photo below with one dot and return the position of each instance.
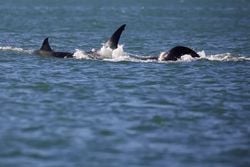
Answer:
(114, 39)
(45, 45)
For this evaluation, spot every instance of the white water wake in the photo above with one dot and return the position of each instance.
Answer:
(223, 57)
(15, 49)
(119, 54)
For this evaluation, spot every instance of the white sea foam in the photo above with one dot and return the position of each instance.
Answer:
(15, 49)
(223, 57)
(216, 57)
(104, 53)
(80, 54)
(117, 54)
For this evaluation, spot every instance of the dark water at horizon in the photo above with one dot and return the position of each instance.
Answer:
(121, 112)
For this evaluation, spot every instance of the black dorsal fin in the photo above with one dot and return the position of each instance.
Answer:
(45, 45)
(114, 39)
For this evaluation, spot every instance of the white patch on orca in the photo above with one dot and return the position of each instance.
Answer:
(162, 56)
(186, 58)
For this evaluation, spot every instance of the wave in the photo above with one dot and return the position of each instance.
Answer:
(117, 55)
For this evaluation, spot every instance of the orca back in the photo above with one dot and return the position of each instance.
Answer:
(46, 50)
(178, 51)
(62, 54)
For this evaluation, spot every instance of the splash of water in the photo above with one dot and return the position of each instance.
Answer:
(80, 54)
(15, 49)
(223, 57)
(104, 53)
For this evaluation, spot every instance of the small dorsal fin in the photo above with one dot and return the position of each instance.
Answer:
(45, 45)
(114, 39)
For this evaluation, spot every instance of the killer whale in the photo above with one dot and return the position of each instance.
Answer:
(46, 50)
(173, 54)
(112, 43)
(176, 53)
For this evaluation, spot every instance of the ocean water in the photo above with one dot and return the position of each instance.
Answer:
(120, 111)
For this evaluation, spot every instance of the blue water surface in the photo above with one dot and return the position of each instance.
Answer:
(77, 112)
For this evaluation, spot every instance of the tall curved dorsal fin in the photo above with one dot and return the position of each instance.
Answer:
(45, 45)
(114, 39)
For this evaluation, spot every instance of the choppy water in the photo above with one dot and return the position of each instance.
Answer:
(122, 112)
